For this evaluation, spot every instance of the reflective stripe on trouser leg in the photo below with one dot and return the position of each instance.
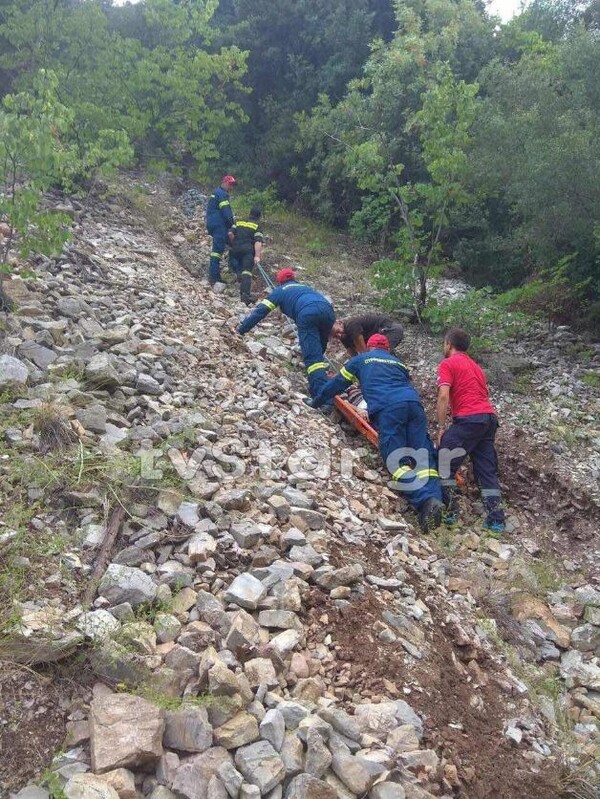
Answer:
(402, 426)
(317, 375)
(219, 241)
(309, 335)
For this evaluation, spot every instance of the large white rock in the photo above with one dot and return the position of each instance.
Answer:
(261, 765)
(188, 729)
(195, 773)
(126, 584)
(245, 591)
(89, 786)
(125, 731)
(12, 371)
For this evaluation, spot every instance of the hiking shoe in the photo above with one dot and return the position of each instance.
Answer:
(450, 519)
(430, 514)
(495, 527)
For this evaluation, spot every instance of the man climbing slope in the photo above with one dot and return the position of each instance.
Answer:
(462, 386)
(357, 330)
(312, 313)
(396, 411)
(246, 242)
(219, 219)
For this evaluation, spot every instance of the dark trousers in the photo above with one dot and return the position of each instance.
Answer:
(475, 435)
(241, 262)
(314, 328)
(401, 427)
(219, 242)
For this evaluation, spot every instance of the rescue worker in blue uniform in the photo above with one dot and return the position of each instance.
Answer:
(219, 219)
(246, 242)
(312, 313)
(395, 409)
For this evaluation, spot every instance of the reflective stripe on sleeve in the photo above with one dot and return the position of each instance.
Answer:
(399, 473)
(315, 366)
(216, 255)
(428, 473)
(270, 305)
(346, 374)
(223, 203)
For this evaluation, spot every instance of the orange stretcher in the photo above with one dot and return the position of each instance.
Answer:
(350, 413)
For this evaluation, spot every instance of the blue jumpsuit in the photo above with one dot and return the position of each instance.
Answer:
(219, 218)
(396, 411)
(313, 315)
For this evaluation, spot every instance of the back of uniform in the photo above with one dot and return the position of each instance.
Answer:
(245, 235)
(219, 218)
(395, 409)
(314, 316)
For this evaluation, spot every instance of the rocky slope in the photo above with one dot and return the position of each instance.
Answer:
(234, 602)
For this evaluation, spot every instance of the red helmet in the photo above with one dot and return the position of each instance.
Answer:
(378, 342)
(229, 179)
(285, 274)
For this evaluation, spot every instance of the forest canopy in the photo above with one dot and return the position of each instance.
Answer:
(441, 137)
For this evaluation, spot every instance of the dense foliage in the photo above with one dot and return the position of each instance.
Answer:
(444, 138)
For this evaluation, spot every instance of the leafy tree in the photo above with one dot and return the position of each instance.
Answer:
(32, 158)
(379, 108)
(297, 49)
(424, 207)
(536, 154)
(160, 86)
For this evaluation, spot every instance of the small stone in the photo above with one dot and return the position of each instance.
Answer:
(89, 786)
(93, 418)
(201, 546)
(261, 765)
(195, 773)
(514, 734)
(387, 790)
(188, 729)
(272, 728)
(245, 591)
(126, 584)
(122, 780)
(283, 619)
(586, 638)
(260, 671)
(125, 731)
(246, 534)
(240, 730)
(12, 372)
(318, 756)
(306, 787)
(167, 627)
(231, 778)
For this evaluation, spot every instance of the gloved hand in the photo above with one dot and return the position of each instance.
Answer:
(308, 401)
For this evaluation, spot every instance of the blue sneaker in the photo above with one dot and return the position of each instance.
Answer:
(450, 519)
(495, 527)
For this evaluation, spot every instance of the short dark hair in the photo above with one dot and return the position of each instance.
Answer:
(458, 338)
(255, 213)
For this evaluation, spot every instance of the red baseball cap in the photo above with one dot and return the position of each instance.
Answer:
(285, 274)
(229, 179)
(378, 342)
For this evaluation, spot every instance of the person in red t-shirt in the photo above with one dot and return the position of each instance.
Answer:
(462, 387)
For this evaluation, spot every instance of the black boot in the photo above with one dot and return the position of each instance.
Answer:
(430, 514)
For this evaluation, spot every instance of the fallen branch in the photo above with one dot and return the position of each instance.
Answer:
(112, 530)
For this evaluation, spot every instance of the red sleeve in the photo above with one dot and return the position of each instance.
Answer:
(444, 374)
